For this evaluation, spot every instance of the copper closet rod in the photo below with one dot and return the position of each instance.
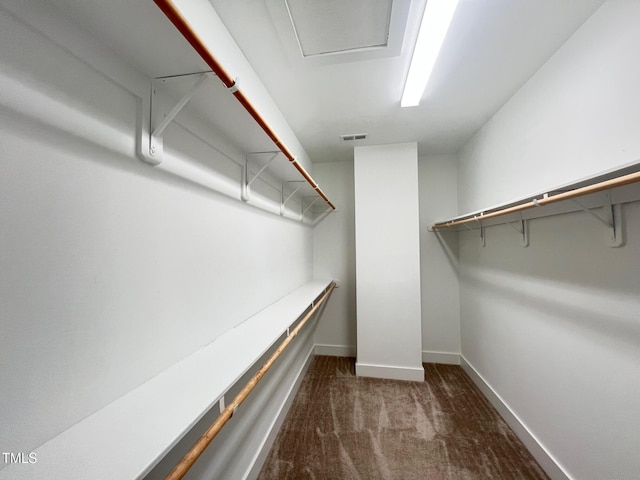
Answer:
(183, 466)
(181, 23)
(578, 192)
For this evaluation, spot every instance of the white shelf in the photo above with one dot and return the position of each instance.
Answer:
(128, 437)
(213, 115)
(613, 195)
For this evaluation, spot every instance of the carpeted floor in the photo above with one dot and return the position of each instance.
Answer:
(345, 427)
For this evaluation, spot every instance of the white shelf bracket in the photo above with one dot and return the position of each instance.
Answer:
(612, 220)
(523, 231)
(305, 209)
(322, 216)
(615, 234)
(154, 121)
(607, 223)
(246, 181)
(483, 237)
(283, 200)
(221, 404)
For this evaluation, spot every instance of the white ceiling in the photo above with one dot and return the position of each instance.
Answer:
(491, 50)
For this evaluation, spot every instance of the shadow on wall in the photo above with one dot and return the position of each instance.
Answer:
(449, 242)
(120, 155)
(568, 249)
(606, 313)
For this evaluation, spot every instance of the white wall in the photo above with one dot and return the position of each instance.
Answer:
(553, 328)
(577, 116)
(388, 261)
(112, 270)
(437, 176)
(334, 256)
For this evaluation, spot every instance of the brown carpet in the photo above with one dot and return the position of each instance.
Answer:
(345, 427)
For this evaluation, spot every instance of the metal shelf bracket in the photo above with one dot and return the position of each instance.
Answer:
(606, 222)
(154, 121)
(246, 181)
(523, 231)
(611, 219)
(283, 200)
(615, 234)
(320, 217)
(304, 209)
(483, 235)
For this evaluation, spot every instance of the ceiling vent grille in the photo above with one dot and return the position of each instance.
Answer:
(353, 136)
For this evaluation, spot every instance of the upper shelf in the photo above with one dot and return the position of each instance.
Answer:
(590, 186)
(219, 115)
(231, 84)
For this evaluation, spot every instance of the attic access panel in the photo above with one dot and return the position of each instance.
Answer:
(335, 31)
(336, 26)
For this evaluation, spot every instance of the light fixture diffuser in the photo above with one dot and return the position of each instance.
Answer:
(435, 22)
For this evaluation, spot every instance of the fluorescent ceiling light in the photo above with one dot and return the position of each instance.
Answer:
(433, 28)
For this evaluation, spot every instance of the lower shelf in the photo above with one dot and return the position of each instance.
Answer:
(128, 437)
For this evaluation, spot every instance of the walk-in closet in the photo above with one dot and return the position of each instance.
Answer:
(297, 239)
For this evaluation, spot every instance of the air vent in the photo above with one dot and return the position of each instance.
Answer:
(353, 136)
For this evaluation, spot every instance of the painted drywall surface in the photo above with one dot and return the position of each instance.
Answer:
(387, 256)
(577, 116)
(439, 255)
(334, 257)
(554, 327)
(112, 270)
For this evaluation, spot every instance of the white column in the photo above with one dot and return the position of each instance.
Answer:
(388, 262)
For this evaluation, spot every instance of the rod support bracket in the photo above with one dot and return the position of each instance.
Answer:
(615, 233)
(285, 198)
(246, 181)
(523, 231)
(611, 219)
(154, 120)
(236, 85)
(305, 209)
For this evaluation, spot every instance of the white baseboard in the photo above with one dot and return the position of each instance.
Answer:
(336, 350)
(447, 358)
(392, 372)
(542, 456)
(261, 455)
